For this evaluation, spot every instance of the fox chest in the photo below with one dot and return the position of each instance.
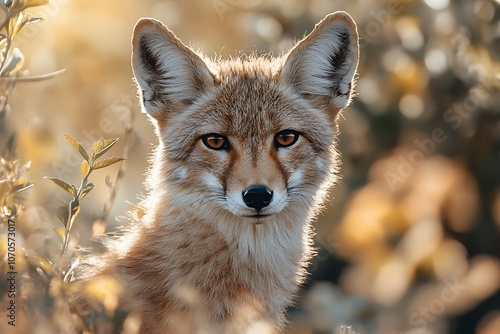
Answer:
(213, 282)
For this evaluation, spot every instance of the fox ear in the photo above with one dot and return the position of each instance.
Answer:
(322, 66)
(169, 74)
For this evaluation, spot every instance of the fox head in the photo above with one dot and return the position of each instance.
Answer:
(251, 139)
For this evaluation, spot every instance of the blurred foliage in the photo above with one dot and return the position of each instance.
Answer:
(411, 240)
(12, 173)
(46, 281)
(13, 20)
(12, 182)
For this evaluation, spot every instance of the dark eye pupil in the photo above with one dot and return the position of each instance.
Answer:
(215, 142)
(286, 138)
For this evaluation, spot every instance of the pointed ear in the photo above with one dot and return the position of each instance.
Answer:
(169, 74)
(322, 66)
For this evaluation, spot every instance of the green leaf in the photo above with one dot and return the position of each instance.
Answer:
(78, 147)
(107, 162)
(86, 190)
(84, 168)
(60, 231)
(102, 145)
(69, 188)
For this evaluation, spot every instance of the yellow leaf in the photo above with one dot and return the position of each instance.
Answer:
(70, 189)
(84, 168)
(107, 162)
(86, 190)
(74, 208)
(102, 145)
(78, 147)
(63, 213)
(16, 23)
(61, 231)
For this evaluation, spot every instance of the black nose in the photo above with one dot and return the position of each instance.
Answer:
(257, 196)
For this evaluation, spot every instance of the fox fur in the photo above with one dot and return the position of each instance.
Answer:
(201, 260)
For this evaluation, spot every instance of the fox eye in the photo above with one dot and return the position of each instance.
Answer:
(215, 141)
(286, 138)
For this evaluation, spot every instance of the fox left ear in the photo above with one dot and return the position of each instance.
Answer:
(169, 74)
(322, 66)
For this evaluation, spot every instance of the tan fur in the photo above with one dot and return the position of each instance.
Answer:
(196, 263)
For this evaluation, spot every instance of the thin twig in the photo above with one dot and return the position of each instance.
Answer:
(71, 216)
(121, 173)
(34, 78)
(4, 20)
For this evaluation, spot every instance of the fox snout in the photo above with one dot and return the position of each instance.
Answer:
(257, 196)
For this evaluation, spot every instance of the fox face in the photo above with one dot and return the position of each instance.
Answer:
(248, 160)
(246, 141)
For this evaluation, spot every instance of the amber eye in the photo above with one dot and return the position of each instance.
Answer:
(215, 141)
(286, 138)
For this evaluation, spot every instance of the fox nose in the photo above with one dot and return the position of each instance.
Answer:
(257, 196)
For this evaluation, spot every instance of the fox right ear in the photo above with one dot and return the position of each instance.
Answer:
(322, 66)
(169, 74)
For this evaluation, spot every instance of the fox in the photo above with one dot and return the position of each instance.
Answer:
(245, 158)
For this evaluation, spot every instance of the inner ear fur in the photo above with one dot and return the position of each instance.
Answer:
(169, 74)
(322, 66)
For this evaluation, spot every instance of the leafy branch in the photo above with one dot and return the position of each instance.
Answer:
(13, 20)
(89, 164)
